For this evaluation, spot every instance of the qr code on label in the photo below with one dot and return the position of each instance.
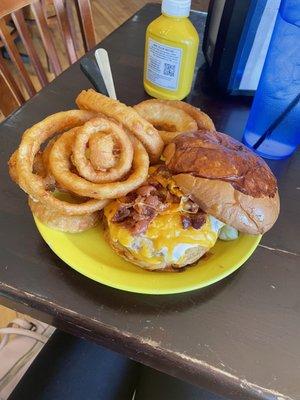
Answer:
(169, 69)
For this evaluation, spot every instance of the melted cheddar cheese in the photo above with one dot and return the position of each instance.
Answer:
(165, 238)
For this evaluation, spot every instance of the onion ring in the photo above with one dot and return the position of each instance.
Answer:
(63, 222)
(203, 120)
(127, 116)
(101, 152)
(172, 117)
(163, 117)
(38, 169)
(31, 141)
(84, 166)
(60, 165)
(12, 166)
(45, 154)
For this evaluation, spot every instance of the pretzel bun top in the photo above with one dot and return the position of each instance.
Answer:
(225, 178)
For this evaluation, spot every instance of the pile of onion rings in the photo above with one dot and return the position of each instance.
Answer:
(172, 117)
(73, 163)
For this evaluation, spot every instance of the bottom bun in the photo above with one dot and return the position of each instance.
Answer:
(188, 255)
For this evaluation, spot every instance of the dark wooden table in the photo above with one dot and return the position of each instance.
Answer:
(239, 338)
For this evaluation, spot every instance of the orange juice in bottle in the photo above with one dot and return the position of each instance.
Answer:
(170, 52)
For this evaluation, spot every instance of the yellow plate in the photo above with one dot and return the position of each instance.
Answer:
(89, 254)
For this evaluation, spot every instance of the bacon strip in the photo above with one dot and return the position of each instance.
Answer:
(139, 208)
(193, 220)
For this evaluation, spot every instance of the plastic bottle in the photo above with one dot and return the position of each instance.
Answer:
(170, 52)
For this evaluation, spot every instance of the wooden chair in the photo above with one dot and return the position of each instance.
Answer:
(10, 92)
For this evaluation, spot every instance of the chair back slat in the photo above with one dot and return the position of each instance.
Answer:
(15, 56)
(86, 23)
(70, 15)
(20, 24)
(11, 83)
(8, 100)
(46, 37)
(65, 29)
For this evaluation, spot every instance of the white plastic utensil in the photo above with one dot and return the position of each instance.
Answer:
(102, 59)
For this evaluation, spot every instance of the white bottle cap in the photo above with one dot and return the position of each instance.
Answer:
(176, 8)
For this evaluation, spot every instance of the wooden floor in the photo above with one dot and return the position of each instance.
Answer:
(108, 15)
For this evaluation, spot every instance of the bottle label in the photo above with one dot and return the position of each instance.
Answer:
(163, 64)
